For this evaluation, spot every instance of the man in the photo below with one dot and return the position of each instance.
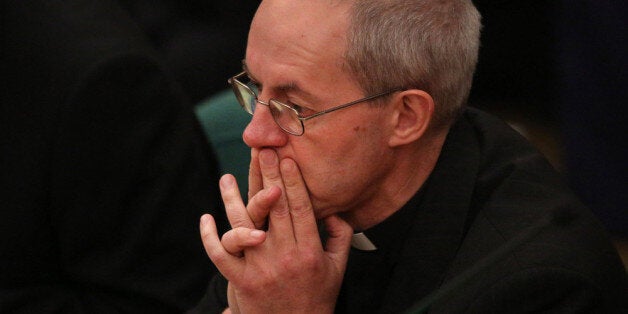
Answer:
(358, 123)
(104, 168)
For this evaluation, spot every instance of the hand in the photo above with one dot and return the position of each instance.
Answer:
(255, 214)
(289, 270)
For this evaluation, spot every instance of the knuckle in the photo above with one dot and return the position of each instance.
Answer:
(299, 262)
(281, 212)
(233, 236)
(227, 236)
(254, 284)
(287, 261)
(239, 221)
(300, 209)
(291, 182)
(271, 175)
(309, 260)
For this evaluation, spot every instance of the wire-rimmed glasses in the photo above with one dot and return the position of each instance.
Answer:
(286, 116)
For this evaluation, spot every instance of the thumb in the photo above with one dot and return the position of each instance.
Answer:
(339, 241)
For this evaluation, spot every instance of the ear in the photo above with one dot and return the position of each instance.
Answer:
(412, 113)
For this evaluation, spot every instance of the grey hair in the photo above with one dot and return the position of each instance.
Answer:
(430, 45)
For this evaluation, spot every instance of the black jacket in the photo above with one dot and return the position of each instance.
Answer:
(489, 191)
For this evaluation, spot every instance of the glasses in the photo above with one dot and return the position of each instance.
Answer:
(286, 116)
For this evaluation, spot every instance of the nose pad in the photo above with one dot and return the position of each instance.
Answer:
(263, 131)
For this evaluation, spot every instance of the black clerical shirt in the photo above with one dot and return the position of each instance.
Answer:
(368, 273)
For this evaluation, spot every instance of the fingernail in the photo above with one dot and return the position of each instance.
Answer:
(226, 181)
(257, 233)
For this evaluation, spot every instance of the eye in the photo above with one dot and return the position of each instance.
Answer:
(302, 111)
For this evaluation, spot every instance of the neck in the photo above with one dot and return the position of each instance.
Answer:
(410, 167)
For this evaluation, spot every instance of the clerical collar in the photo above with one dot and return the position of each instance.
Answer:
(361, 242)
(390, 233)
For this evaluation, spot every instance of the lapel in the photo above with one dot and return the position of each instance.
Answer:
(440, 222)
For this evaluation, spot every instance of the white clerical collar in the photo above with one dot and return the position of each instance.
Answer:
(361, 242)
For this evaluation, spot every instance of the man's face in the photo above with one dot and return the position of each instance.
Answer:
(295, 53)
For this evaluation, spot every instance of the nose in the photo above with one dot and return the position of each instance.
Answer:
(262, 131)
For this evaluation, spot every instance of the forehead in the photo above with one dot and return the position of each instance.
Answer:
(305, 38)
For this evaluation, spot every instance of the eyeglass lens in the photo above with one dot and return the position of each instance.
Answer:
(286, 117)
(246, 97)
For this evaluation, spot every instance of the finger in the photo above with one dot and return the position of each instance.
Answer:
(279, 221)
(259, 206)
(236, 240)
(255, 174)
(269, 166)
(234, 206)
(228, 264)
(301, 211)
(339, 241)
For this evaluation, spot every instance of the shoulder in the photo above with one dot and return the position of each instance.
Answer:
(554, 252)
(536, 258)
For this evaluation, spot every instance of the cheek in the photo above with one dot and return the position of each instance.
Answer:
(341, 158)
(339, 169)
(325, 169)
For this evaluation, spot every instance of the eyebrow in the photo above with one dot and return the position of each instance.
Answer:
(246, 70)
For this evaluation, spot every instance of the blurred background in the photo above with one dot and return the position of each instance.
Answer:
(554, 70)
